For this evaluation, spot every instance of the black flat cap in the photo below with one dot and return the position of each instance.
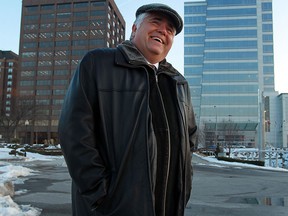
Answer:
(162, 8)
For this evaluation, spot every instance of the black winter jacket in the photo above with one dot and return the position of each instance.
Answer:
(127, 134)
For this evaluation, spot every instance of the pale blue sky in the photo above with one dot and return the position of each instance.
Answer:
(10, 16)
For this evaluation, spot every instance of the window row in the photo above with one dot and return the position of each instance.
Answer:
(233, 111)
(233, 23)
(229, 100)
(232, 12)
(232, 34)
(99, 23)
(63, 15)
(30, 73)
(223, 3)
(242, 66)
(230, 77)
(233, 88)
(44, 82)
(63, 6)
(62, 43)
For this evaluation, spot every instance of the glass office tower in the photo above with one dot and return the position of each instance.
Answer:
(228, 61)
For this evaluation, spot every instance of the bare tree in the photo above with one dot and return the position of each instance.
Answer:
(23, 108)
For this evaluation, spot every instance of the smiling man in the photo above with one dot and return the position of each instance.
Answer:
(127, 128)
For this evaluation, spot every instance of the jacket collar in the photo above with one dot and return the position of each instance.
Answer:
(133, 58)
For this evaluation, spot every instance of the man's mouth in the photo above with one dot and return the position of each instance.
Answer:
(157, 39)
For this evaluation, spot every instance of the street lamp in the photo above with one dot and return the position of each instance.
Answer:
(26, 132)
(216, 128)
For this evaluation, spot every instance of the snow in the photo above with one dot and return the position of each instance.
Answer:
(219, 163)
(16, 174)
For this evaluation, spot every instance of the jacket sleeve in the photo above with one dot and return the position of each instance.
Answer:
(77, 135)
(192, 128)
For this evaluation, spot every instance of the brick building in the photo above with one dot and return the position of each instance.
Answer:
(55, 34)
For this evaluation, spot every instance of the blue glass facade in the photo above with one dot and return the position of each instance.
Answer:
(228, 60)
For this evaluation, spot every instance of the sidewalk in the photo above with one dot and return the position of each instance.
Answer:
(49, 190)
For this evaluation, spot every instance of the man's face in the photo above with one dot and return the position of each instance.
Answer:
(154, 37)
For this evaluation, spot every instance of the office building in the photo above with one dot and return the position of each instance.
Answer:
(8, 81)
(55, 34)
(228, 61)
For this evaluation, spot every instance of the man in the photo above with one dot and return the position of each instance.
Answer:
(126, 128)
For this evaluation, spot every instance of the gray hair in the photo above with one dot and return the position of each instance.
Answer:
(138, 21)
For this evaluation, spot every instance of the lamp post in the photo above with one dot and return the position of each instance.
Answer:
(26, 132)
(216, 128)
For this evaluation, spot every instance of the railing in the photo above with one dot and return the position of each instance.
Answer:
(274, 157)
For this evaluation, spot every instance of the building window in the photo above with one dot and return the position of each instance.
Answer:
(64, 25)
(80, 4)
(47, 7)
(31, 8)
(10, 64)
(44, 73)
(29, 45)
(46, 35)
(45, 54)
(31, 18)
(26, 83)
(31, 27)
(61, 62)
(28, 54)
(98, 4)
(83, 33)
(54, 122)
(62, 43)
(59, 92)
(81, 14)
(43, 92)
(266, 6)
(79, 42)
(60, 82)
(58, 102)
(47, 25)
(28, 64)
(63, 15)
(44, 63)
(98, 13)
(61, 72)
(47, 16)
(43, 82)
(42, 122)
(26, 92)
(46, 44)
(64, 6)
(80, 23)
(267, 27)
(43, 102)
(27, 73)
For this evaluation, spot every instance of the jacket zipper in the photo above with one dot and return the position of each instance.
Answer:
(169, 148)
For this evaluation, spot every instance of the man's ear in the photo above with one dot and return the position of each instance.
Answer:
(134, 28)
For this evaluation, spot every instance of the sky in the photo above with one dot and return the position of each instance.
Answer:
(10, 16)
(17, 174)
